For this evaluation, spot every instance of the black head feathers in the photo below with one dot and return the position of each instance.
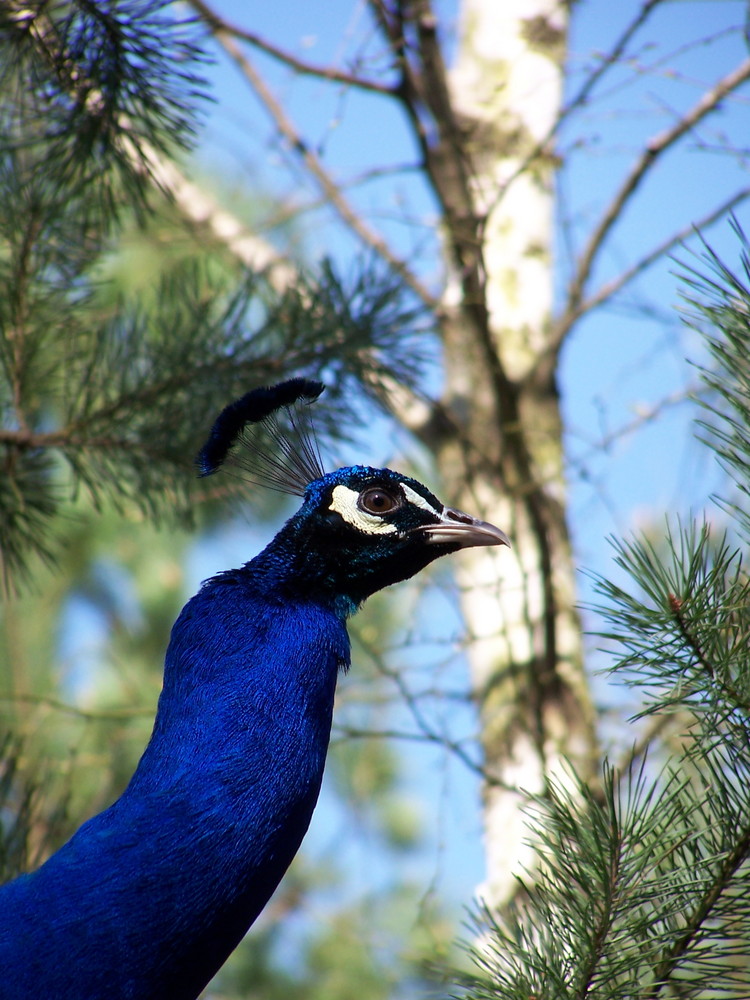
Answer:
(282, 458)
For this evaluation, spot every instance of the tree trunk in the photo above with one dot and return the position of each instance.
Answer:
(504, 452)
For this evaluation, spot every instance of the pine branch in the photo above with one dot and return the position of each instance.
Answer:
(200, 208)
(642, 884)
(108, 86)
(664, 972)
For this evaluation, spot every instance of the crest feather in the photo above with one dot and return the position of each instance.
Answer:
(283, 458)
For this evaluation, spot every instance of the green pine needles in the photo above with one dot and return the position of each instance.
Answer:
(643, 887)
(106, 392)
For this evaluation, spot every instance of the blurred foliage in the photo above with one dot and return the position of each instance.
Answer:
(373, 947)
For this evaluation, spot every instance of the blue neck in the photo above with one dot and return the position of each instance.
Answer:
(149, 898)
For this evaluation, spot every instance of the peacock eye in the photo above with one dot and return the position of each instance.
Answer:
(378, 501)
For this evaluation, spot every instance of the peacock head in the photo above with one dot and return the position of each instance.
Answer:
(367, 528)
(359, 528)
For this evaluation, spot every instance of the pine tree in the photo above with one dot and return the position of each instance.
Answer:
(109, 396)
(643, 883)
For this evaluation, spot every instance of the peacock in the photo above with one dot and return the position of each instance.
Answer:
(149, 898)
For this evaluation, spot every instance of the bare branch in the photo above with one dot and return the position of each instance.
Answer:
(664, 62)
(425, 95)
(93, 715)
(425, 731)
(330, 189)
(220, 24)
(610, 288)
(424, 736)
(200, 208)
(609, 60)
(646, 415)
(654, 148)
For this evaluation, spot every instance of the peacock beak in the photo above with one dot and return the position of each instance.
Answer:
(457, 528)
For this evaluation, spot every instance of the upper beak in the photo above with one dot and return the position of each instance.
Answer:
(457, 528)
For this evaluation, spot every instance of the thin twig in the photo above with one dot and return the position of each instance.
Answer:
(91, 715)
(654, 149)
(610, 288)
(330, 189)
(220, 24)
(424, 736)
(426, 732)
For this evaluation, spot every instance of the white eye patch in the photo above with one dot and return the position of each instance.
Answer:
(344, 502)
(419, 501)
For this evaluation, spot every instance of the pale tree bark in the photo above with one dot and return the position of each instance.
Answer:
(525, 653)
